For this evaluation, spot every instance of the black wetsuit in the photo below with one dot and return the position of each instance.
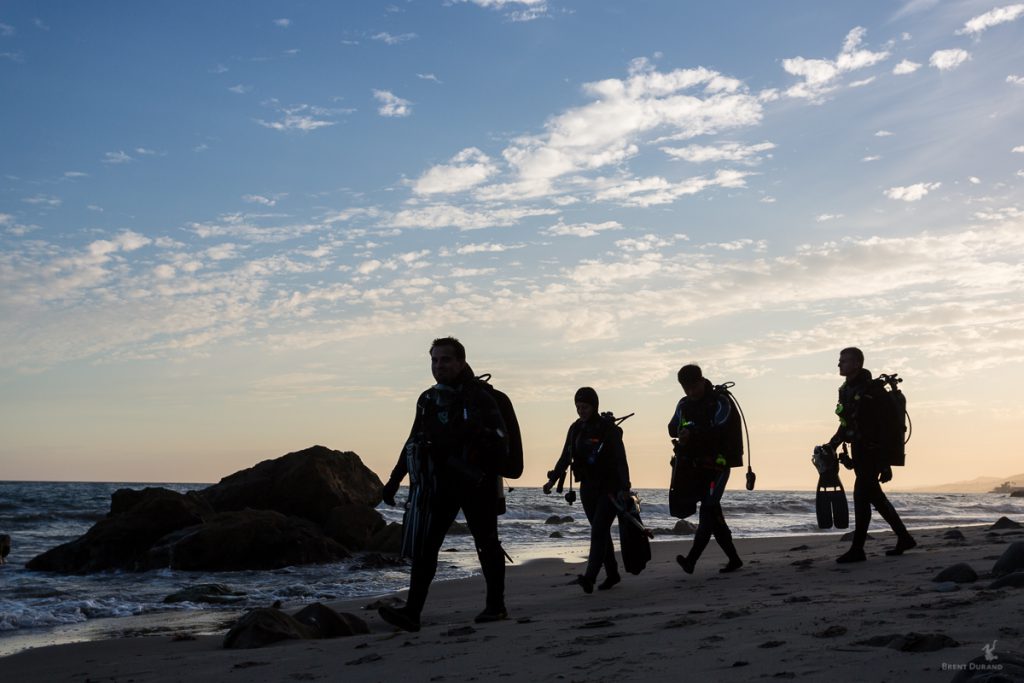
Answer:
(860, 424)
(701, 461)
(595, 451)
(461, 436)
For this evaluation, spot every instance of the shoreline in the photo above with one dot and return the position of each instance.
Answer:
(789, 612)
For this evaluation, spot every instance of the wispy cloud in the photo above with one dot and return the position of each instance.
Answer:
(883, 133)
(449, 216)
(685, 102)
(516, 10)
(119, 157)
(1014, 79)
(43, 200)
(486, 248)
(728, 151)
(283, 23)
(301, 117)
(911, 193)
(6, 30)
(390, 39)
(905, 67)
(820, 75)
(947, 60)
(260, 199)
(392, 106)
(1001, 15)
(428, 77)
(825, 217)
(465, 170)
(240, 89)
(581, 229)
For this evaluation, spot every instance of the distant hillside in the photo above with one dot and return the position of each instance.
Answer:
(978, 485)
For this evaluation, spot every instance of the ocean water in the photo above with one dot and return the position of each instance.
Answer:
(41, 515)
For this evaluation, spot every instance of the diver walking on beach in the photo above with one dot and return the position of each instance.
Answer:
(699, 429)
(454, 455)
(862, 425)
(596, 456)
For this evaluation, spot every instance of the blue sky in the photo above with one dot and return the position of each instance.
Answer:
(230, 230)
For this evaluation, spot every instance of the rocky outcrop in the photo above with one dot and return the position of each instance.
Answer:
(137, 520)
(264, 626)
(310, 484)
(310, 506)
(245, 539)
(1012, 560)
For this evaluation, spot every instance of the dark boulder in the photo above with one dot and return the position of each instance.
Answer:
(912, 642)
(1019, 493)
(310, 483)
(122, 539)
(211, 593)
(1012, 560)
(954, 535)
(958, 573)
(1004, 523)
(330, 624)
(264, 626)
(683, 527)
(353, 525)
(246, 539)
(1012, 580)
(387, 540)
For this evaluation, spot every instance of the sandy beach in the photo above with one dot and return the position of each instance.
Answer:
(791, 612)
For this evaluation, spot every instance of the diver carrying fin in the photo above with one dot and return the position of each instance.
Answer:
(830, 501)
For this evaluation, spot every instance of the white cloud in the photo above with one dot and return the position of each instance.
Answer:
(862, 83)
(825, 217)
(911, 193)
(1019, 149)
(729, 151)
(609, 130)
(240, 89)
(519, 10)
(883, 134)
(43, 200)
(486, 248)
(446, 215)
(164, 272)
(142, 151)
(118, 157)
(974, 181)
(428, 77)
(75, 174)
(302, 117)
(581, 229)
(259, 199)
(6, 30)
(905, 67)
(465, 170)
(389, 39)
(946, 60)
(391, 105)
(656, 190)
(219, 69)
(819, 75)
(873, 157)
(977, 25)
(283, 23)
(1015, 80)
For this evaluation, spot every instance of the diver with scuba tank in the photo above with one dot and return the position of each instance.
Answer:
(595, 455)
(453, 457)
(862, 424)
(700, 466)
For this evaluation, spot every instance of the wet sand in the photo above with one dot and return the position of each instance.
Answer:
(790, 612)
